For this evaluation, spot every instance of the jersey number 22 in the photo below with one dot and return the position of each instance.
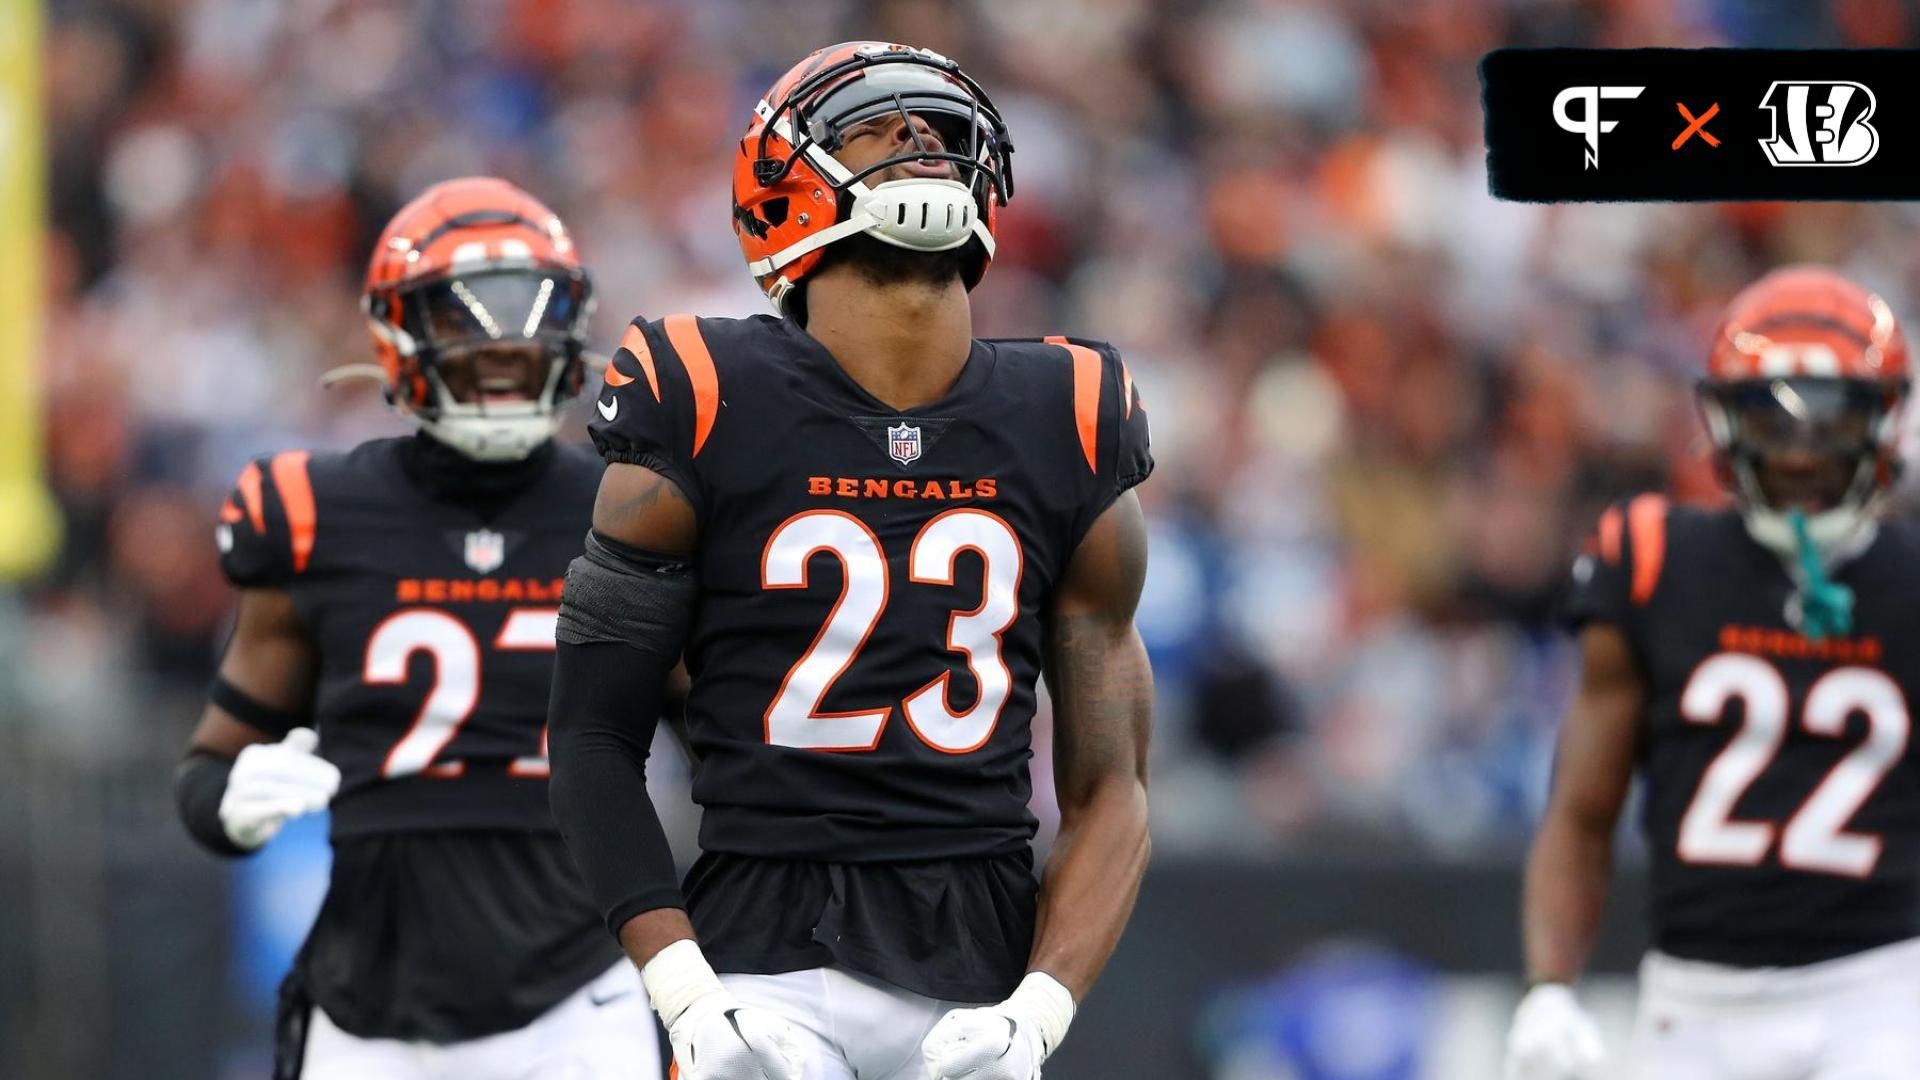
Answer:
(1815, 838)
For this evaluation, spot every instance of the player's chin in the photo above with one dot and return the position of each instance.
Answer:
(1807, 500)
(1808, 495)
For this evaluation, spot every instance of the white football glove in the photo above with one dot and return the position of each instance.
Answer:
(272, 782)
(1553, 1038)
(714, 1036)
(1008, 1041)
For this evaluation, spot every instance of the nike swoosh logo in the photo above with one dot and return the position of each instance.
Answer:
(609, 409)
(615, 996)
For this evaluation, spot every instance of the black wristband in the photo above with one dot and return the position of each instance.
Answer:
(253, 712)
(198, 786)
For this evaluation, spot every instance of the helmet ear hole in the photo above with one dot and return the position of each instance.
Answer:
(774, 211)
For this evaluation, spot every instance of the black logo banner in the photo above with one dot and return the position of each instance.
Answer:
(1591, 125)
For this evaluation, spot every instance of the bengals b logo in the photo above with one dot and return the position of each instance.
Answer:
(1820, 123)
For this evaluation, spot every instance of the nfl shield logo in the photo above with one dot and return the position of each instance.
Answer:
(485, 550)
(903, 443)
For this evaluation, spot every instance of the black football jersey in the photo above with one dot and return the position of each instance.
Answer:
(873, 582)
(1782, 803)
(453, 911)
(434, 626)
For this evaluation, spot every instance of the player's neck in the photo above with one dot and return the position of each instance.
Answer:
(450, 476)
(905, 344)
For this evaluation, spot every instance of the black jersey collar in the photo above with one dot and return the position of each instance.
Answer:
(486, 488)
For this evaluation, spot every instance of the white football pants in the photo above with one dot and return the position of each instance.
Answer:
(604, 1031)
(1854, 1018)
(853, 1027)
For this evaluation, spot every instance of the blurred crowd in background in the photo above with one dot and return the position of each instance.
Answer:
(1385, 407)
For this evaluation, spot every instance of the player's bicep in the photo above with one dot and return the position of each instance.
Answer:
(1097, 669)
(271, 660)
(1599, 740)
(643, 509)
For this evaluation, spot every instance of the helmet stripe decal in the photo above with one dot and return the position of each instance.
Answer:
(683, 331)
(1086, 397)
(296, 497)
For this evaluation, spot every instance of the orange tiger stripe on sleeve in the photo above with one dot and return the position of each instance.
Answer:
(249, 485)
(290, 478)
(1086, 397)
(684, 332)
(635, 342)
(1647, 524)
(1610, 536)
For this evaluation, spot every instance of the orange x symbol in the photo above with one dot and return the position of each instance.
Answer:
(1697, 124)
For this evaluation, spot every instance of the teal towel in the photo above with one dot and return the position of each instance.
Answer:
(1826, 606)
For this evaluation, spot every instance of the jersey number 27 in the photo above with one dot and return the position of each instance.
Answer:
(456, 681)
(1815, 838)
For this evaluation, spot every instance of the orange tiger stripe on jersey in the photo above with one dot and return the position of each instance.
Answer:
(296, 495)
(684, 332)
(1647, 523)
(1610, 536)
(229, 513)
(1086, 396)
(249, 485)
(635, 342)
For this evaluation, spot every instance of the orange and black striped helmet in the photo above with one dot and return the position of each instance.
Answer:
(470, 265)
(792, 197)
(1806, 361)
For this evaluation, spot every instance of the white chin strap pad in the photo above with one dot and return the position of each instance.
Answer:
(1835, 533)
(493, 438)
(920, 215)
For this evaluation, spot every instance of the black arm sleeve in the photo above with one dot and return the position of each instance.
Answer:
(198, 786)
(622, 619)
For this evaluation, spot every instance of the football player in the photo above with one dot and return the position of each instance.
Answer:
(1755, 665)
(870, 534)
(399, 599)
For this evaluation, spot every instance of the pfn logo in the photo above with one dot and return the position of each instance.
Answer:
(1589, 124)
(1826, 124)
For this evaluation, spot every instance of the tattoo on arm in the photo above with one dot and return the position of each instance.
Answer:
(1103, 714)
(1096, 664)
(1101, 679)
(638, 506)
(629, 502)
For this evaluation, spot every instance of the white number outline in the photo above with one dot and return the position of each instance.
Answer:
(926, 709)
(530, 629)
(1815, 838)
(794, 718)
(788, 567)
(457, 672)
